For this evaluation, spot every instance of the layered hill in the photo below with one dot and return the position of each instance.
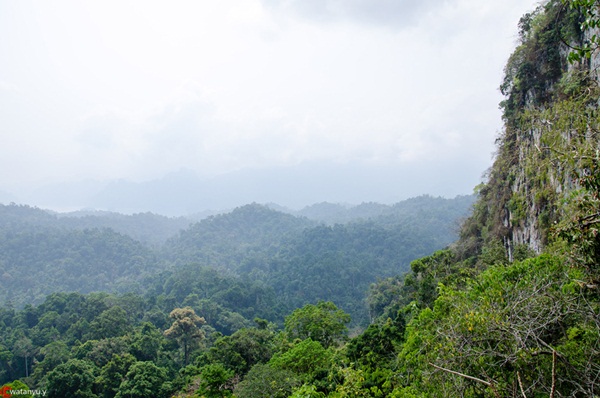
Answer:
(510, 309)
(275, 253)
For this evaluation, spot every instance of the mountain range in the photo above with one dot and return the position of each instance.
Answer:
(187, 192)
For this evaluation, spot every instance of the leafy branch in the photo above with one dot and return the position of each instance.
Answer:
(591, 20)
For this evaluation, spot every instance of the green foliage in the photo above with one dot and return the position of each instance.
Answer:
(353, 385)
(510, 323)
(146, 342)
(307, 391)
(517, 207)
(228, 238)
(216, 295)
(52, 355)
(425, 213)
(113, 374)
(75, 378)
(376, 347)
(338, 263)
(145, 379)
(263, 262)
(306, 358)
(266, 381)
(569, 137)
(589, 21)
(36, 263)
(323, 323)
(537, 63)
(381, 296)
(243, 349)
(428, 272)
(147, 228)
(215, 379)
(112, 322)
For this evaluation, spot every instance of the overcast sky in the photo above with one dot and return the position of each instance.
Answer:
(137, 89)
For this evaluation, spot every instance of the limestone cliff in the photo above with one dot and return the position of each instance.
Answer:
(549, 139)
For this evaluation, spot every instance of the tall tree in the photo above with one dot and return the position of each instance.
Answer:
(323, 322)
(185, 329)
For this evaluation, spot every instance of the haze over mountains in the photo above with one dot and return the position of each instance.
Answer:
(426, 297)
(186, 192)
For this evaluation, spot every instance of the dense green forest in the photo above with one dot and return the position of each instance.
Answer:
(81, 290)
(296, 259)
(323, 303)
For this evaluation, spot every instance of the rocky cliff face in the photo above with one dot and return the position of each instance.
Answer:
(550, 114)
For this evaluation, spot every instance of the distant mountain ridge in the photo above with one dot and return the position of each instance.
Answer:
(421, 207)
(334, 256)
(153, 228)
(186, 192)
(147, 228)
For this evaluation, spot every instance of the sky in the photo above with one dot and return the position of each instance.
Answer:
(135, 90)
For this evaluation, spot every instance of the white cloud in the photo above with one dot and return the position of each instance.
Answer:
(396, 14)
(136, 89)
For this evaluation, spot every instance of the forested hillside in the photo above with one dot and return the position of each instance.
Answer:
(299, 260)
(218, 290)
(41, 254)
(259, 303)
(147, 228)
(424, 211)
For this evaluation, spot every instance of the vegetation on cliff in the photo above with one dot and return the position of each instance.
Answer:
(511, 309)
